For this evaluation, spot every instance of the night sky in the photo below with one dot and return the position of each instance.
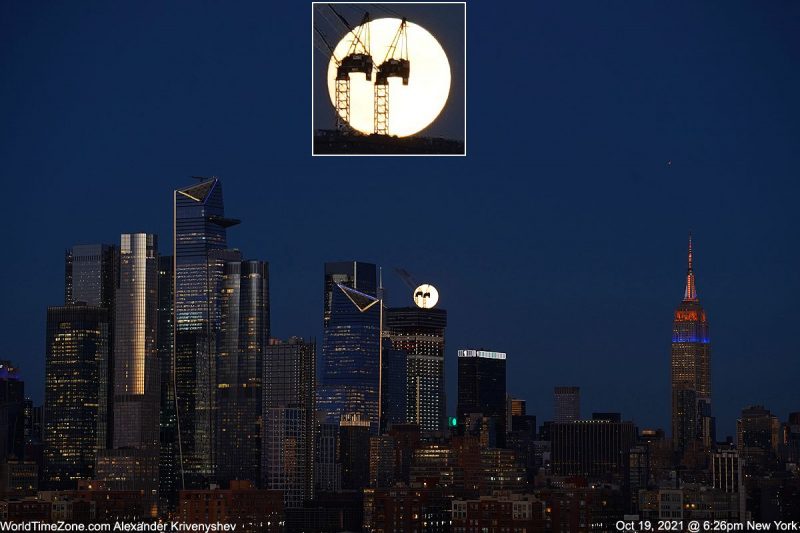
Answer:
(560, 238)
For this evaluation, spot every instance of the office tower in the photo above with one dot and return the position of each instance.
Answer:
(691, 367)
(482, 388)
(351, 346)
(76, 355)
(168, 472)
(638, 476)
(132, 463)
(354, 435)
(566, 404)
(382, 461)
(727, 475)
(289, 410)
(594, 448)
(516, 406)
(243, 340)
(420, 333)
(199, 249)
(757, 439)
(393, 386)
(327, 466)
(91, 276)
(137, 388)
(521, 438)
(12, 413)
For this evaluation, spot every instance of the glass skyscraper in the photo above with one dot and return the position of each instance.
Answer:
(482, 388)
(243, 339)
(199, 246)
(132, 462)
(76, 352)
(168, 473)
(12, 413)
(691, 369)
(289, 410)
(351, 349)
(420, 333)
(137, 388)
(91, 276)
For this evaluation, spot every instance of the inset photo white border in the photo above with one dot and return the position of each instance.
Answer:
(323, 42)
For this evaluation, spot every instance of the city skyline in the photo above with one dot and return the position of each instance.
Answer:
(571, 213)
(543, 410)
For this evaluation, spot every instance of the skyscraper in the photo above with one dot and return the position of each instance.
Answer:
(289, 409)
(566, 404)
(132, 464)
(199, 249)
(91, 276)
(482, 388)
(168, 472)
(393, 385)
(76, 352)
(351, 349)
(243, 340)
(691, 368)
(12, 413)
(420, 333)
(593, 448)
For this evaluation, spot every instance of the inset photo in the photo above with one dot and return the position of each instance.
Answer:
(388, 78)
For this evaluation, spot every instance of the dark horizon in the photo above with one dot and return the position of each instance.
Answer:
(560, 239)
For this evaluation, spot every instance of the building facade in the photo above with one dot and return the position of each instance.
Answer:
(420, 332)
(132, 463)
(482, 388)
(199, 250)
(91, 277)
(289, 409)
(351, 346)
(76, 355)
(566, 404)
(243, 340)
(691, 369)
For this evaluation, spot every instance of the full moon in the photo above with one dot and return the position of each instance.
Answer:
(412, 107)
(426, 296)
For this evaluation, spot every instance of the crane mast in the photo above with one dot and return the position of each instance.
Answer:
(395, 65)
(358, 59)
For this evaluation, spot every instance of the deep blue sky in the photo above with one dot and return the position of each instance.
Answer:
(560, 238)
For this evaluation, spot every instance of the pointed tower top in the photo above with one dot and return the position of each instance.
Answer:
(690, 295)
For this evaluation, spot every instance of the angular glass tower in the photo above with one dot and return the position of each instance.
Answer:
(244, 336)
(691, 369)
(76, 354)
(351, 349)
(199, 251)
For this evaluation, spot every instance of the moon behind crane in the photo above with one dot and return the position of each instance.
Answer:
(412, 107)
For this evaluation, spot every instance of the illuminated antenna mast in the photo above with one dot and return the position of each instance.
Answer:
(358, 59)
(690, 295)
(392, 67)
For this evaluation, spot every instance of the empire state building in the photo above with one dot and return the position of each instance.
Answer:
(691, 370)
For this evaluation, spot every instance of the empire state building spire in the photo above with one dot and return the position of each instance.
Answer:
(690, 295)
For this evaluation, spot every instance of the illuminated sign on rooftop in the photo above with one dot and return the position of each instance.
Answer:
(481, 353)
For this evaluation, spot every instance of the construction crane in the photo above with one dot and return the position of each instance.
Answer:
(395, 65)
(357, 59)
